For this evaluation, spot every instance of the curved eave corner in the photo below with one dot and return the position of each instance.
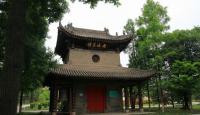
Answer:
(109, 39)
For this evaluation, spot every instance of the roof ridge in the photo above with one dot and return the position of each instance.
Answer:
(76, 28)
(90, 65)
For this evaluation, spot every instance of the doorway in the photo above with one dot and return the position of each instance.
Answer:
(96, 99)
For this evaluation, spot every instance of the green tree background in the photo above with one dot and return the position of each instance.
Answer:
(174, 55)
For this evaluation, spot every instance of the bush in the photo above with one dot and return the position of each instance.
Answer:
(39, 105)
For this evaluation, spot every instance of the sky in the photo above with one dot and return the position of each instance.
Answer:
(184, 14)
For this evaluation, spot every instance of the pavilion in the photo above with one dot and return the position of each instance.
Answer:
(91, 80)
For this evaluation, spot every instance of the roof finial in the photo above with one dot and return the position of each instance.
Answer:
(124, 32)
(116, 34)
(106, 30)
(69, 25)
(60, 23)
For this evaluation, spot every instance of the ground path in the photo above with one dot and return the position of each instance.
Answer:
(123, 113)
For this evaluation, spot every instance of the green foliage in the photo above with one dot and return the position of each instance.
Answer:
(39, 105)
(150, 27)
(3, 17)
(175, 56)
(145, 50)
(37, 65)
(182, 53)
(93, 3)
(39, 15)
(42, 99)
(154, 19)
(130, 27)
(37, 58)
(43, 94)
(184, 73)
(182, 45)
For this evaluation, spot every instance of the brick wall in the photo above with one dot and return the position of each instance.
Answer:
(81, 56)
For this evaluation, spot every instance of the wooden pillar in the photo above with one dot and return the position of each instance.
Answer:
(132, 99)
(149, 101)
(53, 99)
(126, 98)
(140, 97)
(72, 99)
(122, 96)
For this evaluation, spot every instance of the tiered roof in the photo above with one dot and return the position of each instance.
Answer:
(93, 35)
(69, 34)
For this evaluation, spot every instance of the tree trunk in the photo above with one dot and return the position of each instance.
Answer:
(140, 100)
(162, 100)
(20, 101)
(186, 102)
(14, 58)
(190, 100)
(161, 95)
(148, 94)
(158, 94)
(172, 101)
(32, 97)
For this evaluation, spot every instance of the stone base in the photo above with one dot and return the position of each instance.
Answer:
(127, 110)
(141, 110)
(72, 113)
(53, 113)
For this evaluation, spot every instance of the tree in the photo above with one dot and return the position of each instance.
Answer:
(146, 49)
(38, 61)
(24, 16)
(93, 3)
(151, 26)
(184, 73)
(9, 85)
(182, 54)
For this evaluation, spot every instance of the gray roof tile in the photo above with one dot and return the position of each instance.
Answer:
(100, 72)
(81, 33)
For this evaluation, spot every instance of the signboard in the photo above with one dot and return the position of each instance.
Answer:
(113, 93)
(96, 45)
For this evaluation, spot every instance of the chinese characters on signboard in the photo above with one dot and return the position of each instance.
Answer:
(96, 45)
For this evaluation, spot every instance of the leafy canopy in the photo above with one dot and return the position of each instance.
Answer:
(149, 28)
(93, 3)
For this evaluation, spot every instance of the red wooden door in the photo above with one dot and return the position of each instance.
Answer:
(95, 99)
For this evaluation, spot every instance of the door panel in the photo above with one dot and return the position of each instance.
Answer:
(95, 99)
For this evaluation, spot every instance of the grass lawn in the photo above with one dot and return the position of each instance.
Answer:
(176, 111)
(28, 113)
(168, 111)
(172, 112)
(196, 107)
